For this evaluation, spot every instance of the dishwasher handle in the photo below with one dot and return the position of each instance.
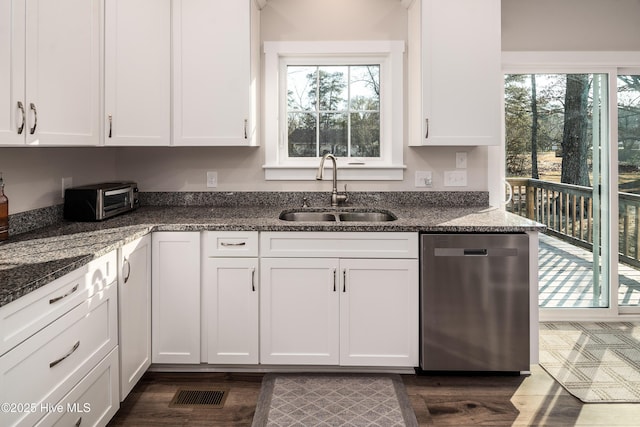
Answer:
(475, 252)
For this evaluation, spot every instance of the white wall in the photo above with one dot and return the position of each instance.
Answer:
(579, 25)
(33, 174)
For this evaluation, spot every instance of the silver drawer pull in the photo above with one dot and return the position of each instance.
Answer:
(253, 279)
(233, 244)
(56, 299)
(32, 107)
(125, 262)
(55, 362)
(21, 108)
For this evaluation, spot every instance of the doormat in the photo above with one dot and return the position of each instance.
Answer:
(333, 400)
(594, 361)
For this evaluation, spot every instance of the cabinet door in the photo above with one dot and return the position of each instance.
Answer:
(211, 80)
(299, 311)
(134, 304)
(63, 71)
(137, 72)
(230, 309)
(379, 312)
(175, 297)
(461, 72)
(12, 103)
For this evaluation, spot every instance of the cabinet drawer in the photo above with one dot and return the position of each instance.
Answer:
(231, 243)
(48, 365)
(93, 402)
(339, 245)
(27, 315)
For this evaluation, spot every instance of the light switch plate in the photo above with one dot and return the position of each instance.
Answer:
(457, 178)
(461, 160)
(212, 179)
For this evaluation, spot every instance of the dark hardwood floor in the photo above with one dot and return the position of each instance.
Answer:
(437, 400)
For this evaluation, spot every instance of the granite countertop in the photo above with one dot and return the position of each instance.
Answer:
(31, 260)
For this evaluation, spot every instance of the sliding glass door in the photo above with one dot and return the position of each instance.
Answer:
(628, 99)
(556, 153)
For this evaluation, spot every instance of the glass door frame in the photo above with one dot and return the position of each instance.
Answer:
(571, 63)
(623, 310)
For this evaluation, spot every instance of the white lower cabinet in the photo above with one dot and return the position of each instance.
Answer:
(134, 312)
(299, 311)
(43, 369)
(357, 311)
(378, 312)
(230, 297)
(93, 402)
(175, 297)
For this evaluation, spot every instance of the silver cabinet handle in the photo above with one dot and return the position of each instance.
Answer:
(334, 279)
(246, 123)
(233, 244)
(253, 279)
(126, 263)
(56, 299)
(24, 117)
(110, 125)
(32, 107)
(73, 349)
(426, 135)
(344, 280)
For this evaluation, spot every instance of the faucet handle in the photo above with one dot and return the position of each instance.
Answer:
(343, 197)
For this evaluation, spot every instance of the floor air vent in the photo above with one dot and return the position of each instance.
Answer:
(199, 398)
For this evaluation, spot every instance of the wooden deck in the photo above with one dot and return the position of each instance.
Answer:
(566, 280)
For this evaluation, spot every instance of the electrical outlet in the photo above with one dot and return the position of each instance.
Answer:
(461, 160)
(424, 179)
(457, 178)
(66, 183)
(212, 179)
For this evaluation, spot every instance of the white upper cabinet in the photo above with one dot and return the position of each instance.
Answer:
(455, 77)
(137, 72)
(213, 78)
(12, 121)
(50, 72)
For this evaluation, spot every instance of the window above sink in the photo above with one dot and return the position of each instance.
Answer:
(298, 133)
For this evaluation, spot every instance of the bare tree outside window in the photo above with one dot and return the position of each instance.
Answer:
(333, 109)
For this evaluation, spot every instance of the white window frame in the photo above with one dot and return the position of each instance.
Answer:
(389, 54)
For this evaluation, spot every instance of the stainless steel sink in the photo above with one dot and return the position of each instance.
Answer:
(307, 216)
(314, 216)
(367, 216)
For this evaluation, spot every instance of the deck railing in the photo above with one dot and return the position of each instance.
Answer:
(567, 211)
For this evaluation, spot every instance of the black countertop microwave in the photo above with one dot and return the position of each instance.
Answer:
(98, 202)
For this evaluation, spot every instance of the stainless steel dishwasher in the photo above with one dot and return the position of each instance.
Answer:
(474, 302)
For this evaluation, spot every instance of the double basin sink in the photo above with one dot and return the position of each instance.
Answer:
(338, 216)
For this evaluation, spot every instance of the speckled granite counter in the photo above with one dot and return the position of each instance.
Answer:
(31, 260)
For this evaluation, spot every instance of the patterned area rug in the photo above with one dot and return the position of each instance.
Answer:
(333, 400)
(596, 362)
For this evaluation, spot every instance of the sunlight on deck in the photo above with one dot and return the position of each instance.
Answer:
(565, 277)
